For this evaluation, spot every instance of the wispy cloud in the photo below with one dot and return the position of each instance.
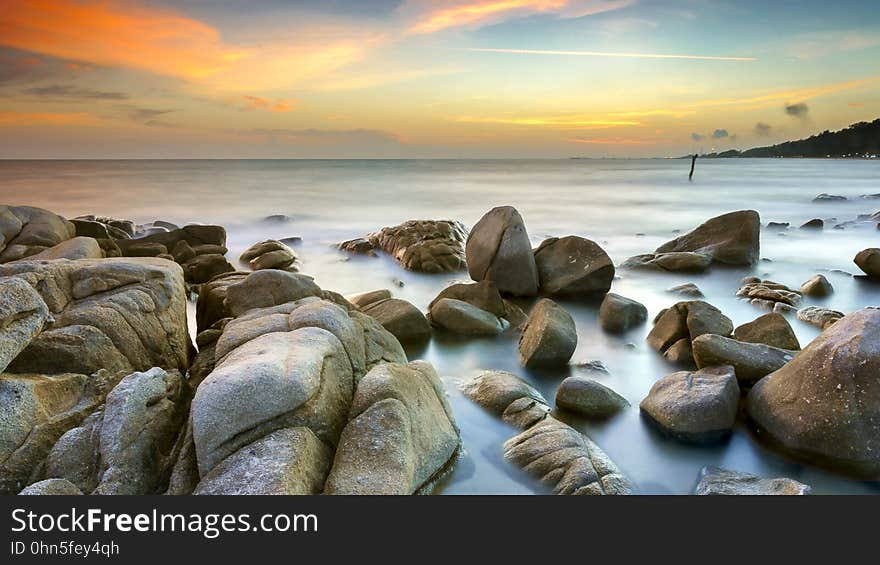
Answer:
(45, 118)
(277, 105)
(610, 54)
(61, 91)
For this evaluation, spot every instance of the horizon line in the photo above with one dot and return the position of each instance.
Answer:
(610, 54)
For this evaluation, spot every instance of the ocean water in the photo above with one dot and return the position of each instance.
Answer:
(627, 206)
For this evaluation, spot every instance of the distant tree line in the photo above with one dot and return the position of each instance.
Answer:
(858, 140)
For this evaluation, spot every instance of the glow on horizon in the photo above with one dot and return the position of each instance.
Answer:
(609, 54)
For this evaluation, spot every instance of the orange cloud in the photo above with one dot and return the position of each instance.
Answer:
(112, 33)
(478, 12)
(44, 118)
(279, 105)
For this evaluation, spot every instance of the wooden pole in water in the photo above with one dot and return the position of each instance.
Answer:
(693, 162)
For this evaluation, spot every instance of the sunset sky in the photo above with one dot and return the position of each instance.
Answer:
(421, 78)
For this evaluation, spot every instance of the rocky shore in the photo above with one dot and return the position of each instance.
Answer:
(291, 388)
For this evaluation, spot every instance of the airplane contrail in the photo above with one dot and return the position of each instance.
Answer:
(608, 54)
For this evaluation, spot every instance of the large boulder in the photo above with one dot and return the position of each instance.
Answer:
(770, 329)
(589, 398)
(269, 254)
(277, 380)
(696, 406)
(573, 265)
(121, 314)
(202, 268)
(461, 317)
(718, 481)
(868, 260)
(125, 447)
(618, 314)
(265, 288)
(286, 462)
(22, 317)
(752, 361)
(36, 410)
(430, 246)
(498, 250)
(211, 306)
(676, 327)
(401, 318)
(732, 239)
(25, 231)
(485, 296)
(817, 287)
(549, 337)
(400, 437)
(824, 406)
(75, 248)
(565, 460)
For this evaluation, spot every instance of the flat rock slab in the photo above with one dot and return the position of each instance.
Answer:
(718, 481)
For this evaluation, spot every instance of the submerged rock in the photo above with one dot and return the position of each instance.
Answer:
(817, 287)
(824, 197)
(732, 239)
(507, 396)
(565, 460)
(868, 260)
(676, 327)
(589, 398)
(824, 406)
(718, 481)
(688, 289)
(814, 224)
(752, 361)
(768, 294)
(618, 314)
(679, 261)
(400, 437)
(401, 318)
(822, 318)
(498, 250)
(549, 337)
(696, 406)
(770, 329)
(430, 246)
(573, 265)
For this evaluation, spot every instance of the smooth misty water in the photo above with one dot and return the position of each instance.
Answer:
(629, 207)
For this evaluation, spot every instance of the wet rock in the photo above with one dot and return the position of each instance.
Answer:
(829, 198)
(98, 230)
(269, 254)
(824, 406)
(401, 434)
(25, 231)
(203, 268)
(573, 265)
(35, 411)
(817, 287)
(277, 380)
(23, 314)
(868, 260)
(194, 235)
(498, 250)
(266, 288)
(718, 481)
(732, 239)
(770, 329)
(777, 226)
(144, 249)
(681, 352)
(286, 462)
(483, 295)
(461, 317)
(814, 224)
(589, 398)
(182, 252)
(767, 294)
(752, 361)
(121, 314)
(401, 318)
(549, 337)
(678, 261)
(820, 317)
(686, 321)
(618, 314)
(688, 289)
(75, 248)
(211, 305)
(51, 487)
(366, 298)
(429, 246)
(696, 406)
(565, 460)
(497, 391)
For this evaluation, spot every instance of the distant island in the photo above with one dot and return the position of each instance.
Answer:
(858, 141)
